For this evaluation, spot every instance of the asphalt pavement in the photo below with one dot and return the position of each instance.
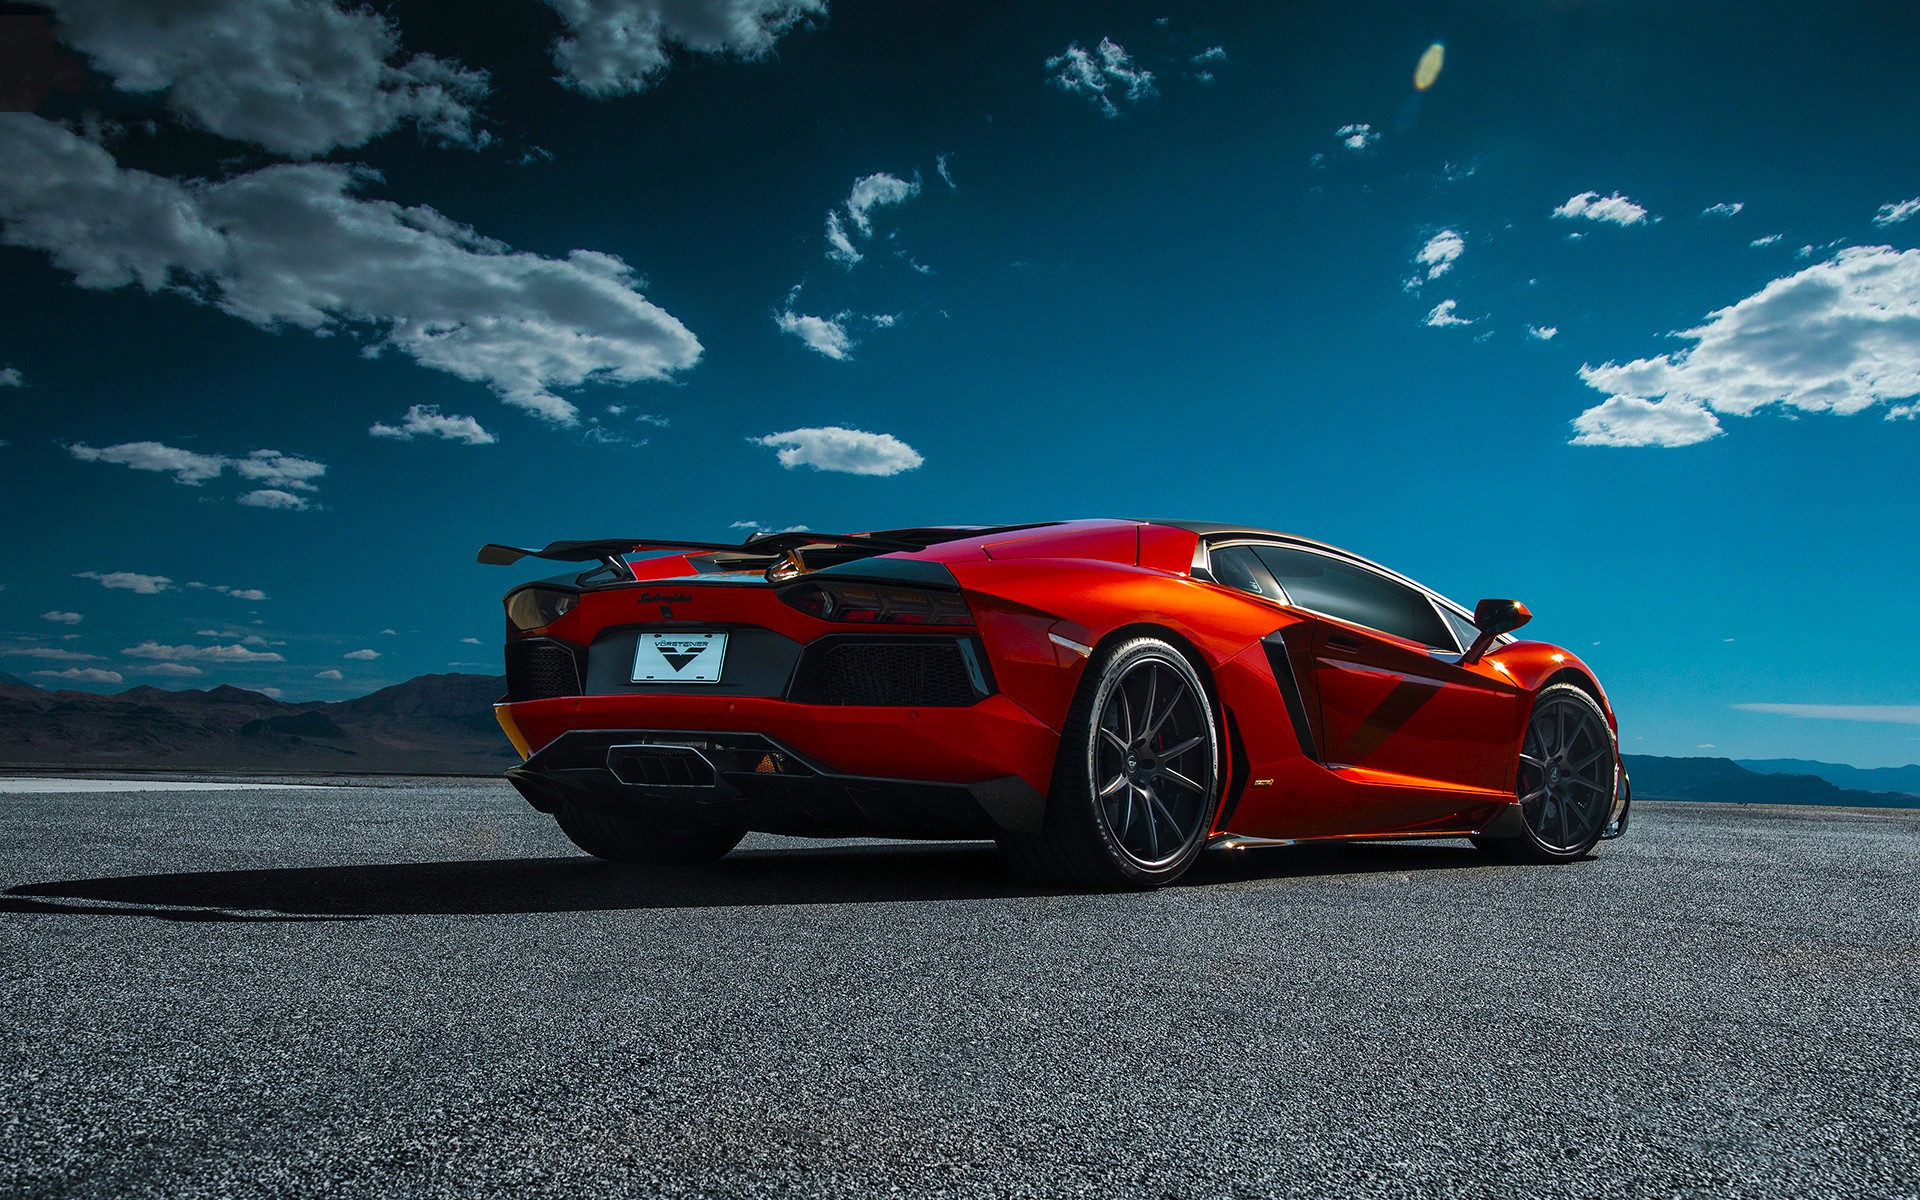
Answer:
(417, 988)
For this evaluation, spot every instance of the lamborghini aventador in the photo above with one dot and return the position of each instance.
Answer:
(1106, 699)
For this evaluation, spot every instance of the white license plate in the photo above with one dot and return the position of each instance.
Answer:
(679, 657)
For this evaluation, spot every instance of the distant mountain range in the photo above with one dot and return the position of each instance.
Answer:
(436, 724)
(443, 724)
(1726, 781)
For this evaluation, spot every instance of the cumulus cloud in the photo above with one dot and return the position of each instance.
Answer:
(1101, 75)
(1592, 206)
(1724, 209)
(471, 641)
(833, 448)
(299, 77)
(330, 673)
(11, 377)
(824, 335)
(235, 653)
(426, 420)
(1358, 138)
(1893, 214)
(139, 585)
(1633, 421)
(614, 47)
(290, 245)
(1891, 714)
(1768, 240)
(1442, 315)
(1841, 336)
(84, 675)
(273, 498)
(186, 466)
(62, 618)
(1543, 333)
(1437, 257)
(1210, 54)
(362, 655)
(171, 670)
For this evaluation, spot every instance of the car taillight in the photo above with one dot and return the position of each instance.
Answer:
(874, 604)
(536, 608)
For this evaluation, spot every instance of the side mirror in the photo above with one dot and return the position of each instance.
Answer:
(1493, 618)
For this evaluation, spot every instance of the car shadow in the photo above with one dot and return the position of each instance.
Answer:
(862, 874)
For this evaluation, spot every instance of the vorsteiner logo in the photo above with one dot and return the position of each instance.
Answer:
(664, 597)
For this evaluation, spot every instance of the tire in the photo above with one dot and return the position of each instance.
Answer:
(1567, 778)
(630, 838)
(1136, 781)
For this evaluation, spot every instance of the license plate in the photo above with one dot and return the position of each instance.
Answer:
(679, 657)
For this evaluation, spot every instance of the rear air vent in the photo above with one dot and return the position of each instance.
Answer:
(897, 672)
(540, 669)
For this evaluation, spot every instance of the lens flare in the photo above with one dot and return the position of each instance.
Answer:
(1429, 68)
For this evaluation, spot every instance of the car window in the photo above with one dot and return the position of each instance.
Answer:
(1462, 628)
(1353, 593)
(1236, 567)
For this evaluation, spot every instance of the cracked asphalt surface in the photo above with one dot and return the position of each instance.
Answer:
(416, 987)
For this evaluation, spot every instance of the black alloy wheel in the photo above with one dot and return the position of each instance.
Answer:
(1136, 783)
(1567, 779)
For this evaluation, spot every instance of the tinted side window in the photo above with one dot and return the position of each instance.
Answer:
(1236, 567)
(1355, 594)
(1462, 628)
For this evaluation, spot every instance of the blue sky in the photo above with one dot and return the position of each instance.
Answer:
(1620, 316)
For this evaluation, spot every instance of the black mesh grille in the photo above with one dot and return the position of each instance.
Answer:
(540, 669)
(922, 674)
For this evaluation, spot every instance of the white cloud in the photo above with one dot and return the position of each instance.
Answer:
(1358, 138)
(1632, 421)
(84, 675)
(47, 653)
(471, 641)
(1723, 209)
(1840, 336)
(271, 693)
(186, 466)
(426, 420)
(875, 191)
(834, 448)
(1099, 76)
(273, 498)
(236, 593)
(274, 469)
(62, 618)
(1442, 315)
(1768, 240)
(389, 633)
(613, 47)
(825, 335)
(235, 653)
(1210, 54)
(299, 77)
(330, 673)
(946, 176)
(1890, 714)
(1592, 206)
(140, 585)
(172, 670)
(1893, 214)
(840, 247)
(11, 377)
(1543, 333)
(1442, 250)
(362, 655)
(291, 246)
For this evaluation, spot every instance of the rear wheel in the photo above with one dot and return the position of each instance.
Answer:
(1135, 785)
(631, 838)
(1568, 775)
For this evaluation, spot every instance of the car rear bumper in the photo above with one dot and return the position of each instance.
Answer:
(752, 781)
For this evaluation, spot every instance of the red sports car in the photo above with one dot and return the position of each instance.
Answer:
(1105, 699)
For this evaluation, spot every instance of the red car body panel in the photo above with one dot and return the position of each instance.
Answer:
(1369, 736)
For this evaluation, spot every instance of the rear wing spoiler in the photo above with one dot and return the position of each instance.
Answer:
(612, 550)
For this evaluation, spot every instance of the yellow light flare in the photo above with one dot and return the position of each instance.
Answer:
(1429, 68)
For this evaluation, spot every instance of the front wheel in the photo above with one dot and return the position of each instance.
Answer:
(1567, 779)
(1136, 782)
(630, 838)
